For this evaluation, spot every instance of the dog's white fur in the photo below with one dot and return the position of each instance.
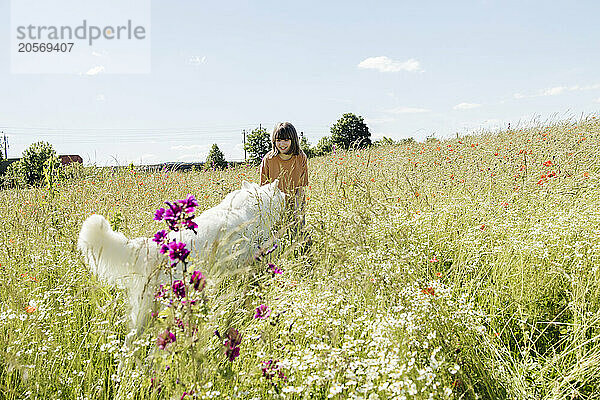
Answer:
(227, 234)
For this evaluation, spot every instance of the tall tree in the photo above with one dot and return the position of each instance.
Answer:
(350, 130)
(215, 158)
(258, 143)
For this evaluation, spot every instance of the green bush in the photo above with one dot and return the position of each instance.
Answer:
(14, 177)
(215, 158)
(323, 147)
(350, 130)
(35, 158)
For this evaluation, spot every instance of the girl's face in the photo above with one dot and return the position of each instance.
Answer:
(283, 145)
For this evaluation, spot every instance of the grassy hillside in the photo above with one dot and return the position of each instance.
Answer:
(466, 268)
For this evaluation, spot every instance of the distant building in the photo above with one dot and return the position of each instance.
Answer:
(70, 159)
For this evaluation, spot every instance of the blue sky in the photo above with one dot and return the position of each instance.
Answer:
(409, 68)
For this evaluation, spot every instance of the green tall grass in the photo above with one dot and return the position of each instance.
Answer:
(463, 268)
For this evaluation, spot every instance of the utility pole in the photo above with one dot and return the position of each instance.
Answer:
(244, 132)
(5, 146)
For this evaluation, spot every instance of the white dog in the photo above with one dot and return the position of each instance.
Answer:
(227, 235)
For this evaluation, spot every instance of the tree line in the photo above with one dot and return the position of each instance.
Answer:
(40, 162)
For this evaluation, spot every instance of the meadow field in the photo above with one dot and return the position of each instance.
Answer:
(456, 269)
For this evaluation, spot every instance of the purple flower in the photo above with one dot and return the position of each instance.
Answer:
(160, 236)
(159, 214)
(171, 220)
(190, 224)
(198, 280)
(232, 353)
(274, 269)
(177, 252)
(188, 204)
(179, 288)
(270, 369)
(178, 214)
(232, 343)
(165, 338)
(172, 215)
(164, 248)
(262, 312)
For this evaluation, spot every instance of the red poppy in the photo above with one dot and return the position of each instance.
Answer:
(429, 290)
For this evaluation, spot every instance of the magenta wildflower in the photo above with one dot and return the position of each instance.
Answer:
(159, 214)
(172, 216)
(272, 368)
(191, 225)
(164, 248)
(178, 214)
(177, 252)
(160, 236)
(179, 288)
(198, 280)
(165, 339)
(232, 343)
(262, 312)
(274, 269)
(232, 353)
(188, 204)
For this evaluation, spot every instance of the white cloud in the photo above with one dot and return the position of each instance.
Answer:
(190, 147)
(96, 70)
(197, 60)
(466, 106)
(385, 64)
(407, 110)
(556, 90)
(99, 54)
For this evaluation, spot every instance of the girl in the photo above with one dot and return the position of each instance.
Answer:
(287, 161)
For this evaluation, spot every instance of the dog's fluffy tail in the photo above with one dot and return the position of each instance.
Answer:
(110, 255)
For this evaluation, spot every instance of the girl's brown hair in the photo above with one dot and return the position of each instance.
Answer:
(285, 131)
